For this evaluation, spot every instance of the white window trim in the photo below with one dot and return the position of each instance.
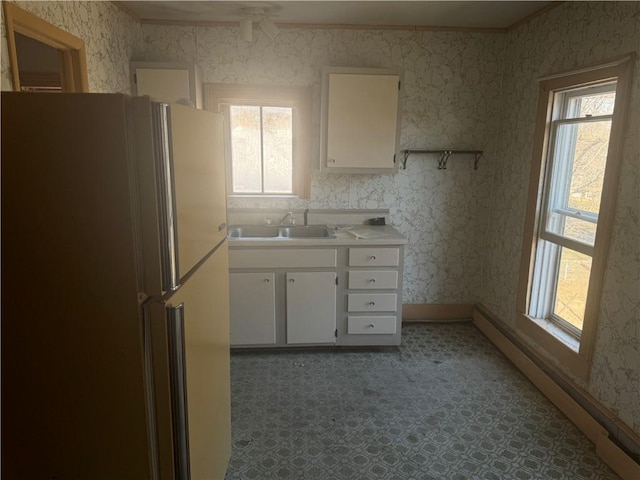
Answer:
(218, 97)
(570, 355)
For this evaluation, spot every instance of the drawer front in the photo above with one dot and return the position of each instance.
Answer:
(372, 325)
(373, 279)
(283, 258)
(374, 257)
(374, 302)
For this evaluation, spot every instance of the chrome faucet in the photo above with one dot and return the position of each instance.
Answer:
(290, 216)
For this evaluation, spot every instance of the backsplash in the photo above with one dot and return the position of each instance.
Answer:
(267, 216)
(451, 96)
(111, 39)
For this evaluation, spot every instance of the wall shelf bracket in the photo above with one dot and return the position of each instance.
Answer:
(444, 156)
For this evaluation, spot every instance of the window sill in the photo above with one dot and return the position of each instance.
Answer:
(558, 333)
(555, 343)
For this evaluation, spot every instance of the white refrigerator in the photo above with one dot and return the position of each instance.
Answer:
(115, 328)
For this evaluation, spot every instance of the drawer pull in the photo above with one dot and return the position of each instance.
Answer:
(372, 304)
(371, 325)
(372, 257)
(373, 280)
(291, 280)
(267, 280)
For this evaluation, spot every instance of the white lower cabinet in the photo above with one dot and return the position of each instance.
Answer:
(311, 307)
(341, 295)
(252, 308)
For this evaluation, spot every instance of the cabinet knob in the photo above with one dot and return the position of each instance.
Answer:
(372, 257)
(373, 280)
(371, 325)
(292, 280)
(267, 280)
(332, 160)
(372, 304)
(222, 226)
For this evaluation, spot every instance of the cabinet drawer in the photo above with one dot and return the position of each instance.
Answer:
(374, 302)
(374, 257)
(373, 280)
(282, 258)
(372, 325)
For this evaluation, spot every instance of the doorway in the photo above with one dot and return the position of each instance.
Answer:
(43, 57)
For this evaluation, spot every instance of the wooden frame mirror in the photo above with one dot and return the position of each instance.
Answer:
(69, 49)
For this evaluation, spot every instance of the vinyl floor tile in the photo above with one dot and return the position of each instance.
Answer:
(445, 405)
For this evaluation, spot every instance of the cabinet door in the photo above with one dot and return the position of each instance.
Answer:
(252, 308)
(361, 121)
(169, 85)
(311, 307)
(167, 81)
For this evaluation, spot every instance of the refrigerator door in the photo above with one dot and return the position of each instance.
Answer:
(74, 391)
(190, 338)
(190, 165)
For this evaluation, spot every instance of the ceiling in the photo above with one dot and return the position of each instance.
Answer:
(399, 13)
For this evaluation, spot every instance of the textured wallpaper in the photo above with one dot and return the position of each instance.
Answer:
(574, 35)
(451, 97)
(461, 91)
(111, 39)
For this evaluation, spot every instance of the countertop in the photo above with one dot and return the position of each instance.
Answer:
(357, 235)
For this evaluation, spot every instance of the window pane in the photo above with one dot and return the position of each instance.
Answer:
(573, 228)
(278, 149)
(601, 104)
(246, 161)
(571, 288)
(588, 164)
(582, 104)
(580, 157)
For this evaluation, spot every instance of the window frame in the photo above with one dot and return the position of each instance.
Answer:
(219, 97)
(574, 354)
(557, 183)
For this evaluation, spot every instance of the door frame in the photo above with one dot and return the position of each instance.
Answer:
(72, 49)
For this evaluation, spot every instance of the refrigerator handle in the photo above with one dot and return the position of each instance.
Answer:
(177, 368)
(166, 199)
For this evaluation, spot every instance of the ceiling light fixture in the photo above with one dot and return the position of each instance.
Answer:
(270, 29)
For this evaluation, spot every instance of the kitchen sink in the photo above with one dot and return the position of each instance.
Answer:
(313, 231)
(256, 231)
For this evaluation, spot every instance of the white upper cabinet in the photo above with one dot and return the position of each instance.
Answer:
(360, 120)
(167, 81)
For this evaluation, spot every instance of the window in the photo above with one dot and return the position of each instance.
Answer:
(261, 149)
(267, 138)
(571, 206)
(576, 160)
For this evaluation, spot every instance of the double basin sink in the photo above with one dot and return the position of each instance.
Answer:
(281, 232)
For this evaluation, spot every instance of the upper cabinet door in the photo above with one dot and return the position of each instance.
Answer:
(198, 170)
(166, 81)
(360, 123)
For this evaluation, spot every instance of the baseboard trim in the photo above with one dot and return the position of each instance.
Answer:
(619, 461)
(436, 312)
